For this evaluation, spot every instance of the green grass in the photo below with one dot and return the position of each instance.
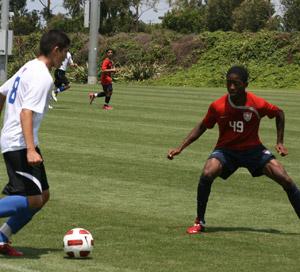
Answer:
(108, 173)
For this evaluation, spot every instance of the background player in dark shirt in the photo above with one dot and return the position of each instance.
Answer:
(238, 116)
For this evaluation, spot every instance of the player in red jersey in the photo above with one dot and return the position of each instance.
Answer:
(107, 69)
(238, 116)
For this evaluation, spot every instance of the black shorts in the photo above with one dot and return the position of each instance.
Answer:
(24, 179)
(60, 78)
(253, 159)
(107, 88)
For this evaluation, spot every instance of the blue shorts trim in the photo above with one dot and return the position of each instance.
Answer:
(253, 159)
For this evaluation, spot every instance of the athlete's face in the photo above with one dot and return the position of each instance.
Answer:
(58, 56)
(235, 86)
(109, 53)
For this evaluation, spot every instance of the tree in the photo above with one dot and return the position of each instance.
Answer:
(261, 12)
(75, 7)
(186, 20)
(47, 11)
(123, 15)
(17, 6)
(23, 22)
(26, 23)
(140, 7)
(219, 14)
(291, 18)
(187, 3)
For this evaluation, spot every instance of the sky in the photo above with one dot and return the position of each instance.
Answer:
(148, 17)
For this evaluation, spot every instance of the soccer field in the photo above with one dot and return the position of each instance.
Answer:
(108, 173)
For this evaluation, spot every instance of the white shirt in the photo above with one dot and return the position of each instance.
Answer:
(29, 88)
(68, 60)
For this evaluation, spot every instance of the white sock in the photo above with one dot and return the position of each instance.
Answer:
(6, 230)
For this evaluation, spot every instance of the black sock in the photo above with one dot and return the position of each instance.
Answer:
(100, 94)
(294, 196)
(203, 192)
(107, 99)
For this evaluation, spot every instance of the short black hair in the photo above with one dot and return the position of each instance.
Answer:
(239, 70)
(109, 49)
(51, 39)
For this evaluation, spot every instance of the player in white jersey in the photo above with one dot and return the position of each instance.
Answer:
(25, 96)
(61, 81)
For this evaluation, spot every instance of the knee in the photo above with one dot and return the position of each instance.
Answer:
(35, 202)
(206, 178)
(46, 197)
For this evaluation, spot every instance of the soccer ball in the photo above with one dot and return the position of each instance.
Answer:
(78, 243)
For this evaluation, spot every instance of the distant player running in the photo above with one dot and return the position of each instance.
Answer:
(107, 68)
(238, 115)
(61, 81)
(26, 96)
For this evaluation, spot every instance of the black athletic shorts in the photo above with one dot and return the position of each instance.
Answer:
(60, 78)
(107, 88)
(24, 179)
(253, 159)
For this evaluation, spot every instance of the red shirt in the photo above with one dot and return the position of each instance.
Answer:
(106, 76)
(238, 125)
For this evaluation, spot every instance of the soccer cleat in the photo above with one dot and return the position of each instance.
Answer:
(54, 96)
(197, 228)
(92, 97)
(107, 107)
(8, 250)
(50, 107)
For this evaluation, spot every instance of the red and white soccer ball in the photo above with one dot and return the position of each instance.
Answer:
(78, 243)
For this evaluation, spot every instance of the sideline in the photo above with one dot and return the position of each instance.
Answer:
(16, 268)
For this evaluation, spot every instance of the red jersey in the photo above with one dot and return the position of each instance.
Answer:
(238, 125)
(106, 76)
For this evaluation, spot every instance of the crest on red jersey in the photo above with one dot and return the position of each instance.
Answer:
(247, 116)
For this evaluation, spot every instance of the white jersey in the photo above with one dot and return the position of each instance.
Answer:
(67, 61)
(29, 88)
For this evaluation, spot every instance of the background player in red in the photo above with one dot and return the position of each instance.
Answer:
(238, 115)
(107, 68)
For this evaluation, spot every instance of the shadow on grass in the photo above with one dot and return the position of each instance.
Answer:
(33, 253)
(247, 229)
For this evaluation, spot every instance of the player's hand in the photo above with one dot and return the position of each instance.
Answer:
(173, 152)
(33, 158)
(281, 150)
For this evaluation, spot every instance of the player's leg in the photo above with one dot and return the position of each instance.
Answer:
(108, 93)
(18, 221)
(64, 82)
(211, 170)
(274, 170)
(92, 96)
(219, 163)
(57, 84)
(27, 192)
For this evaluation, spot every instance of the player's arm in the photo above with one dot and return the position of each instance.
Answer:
(26, 117)
(2, 102)
(280, 121)
(109, 70)
(196, 132)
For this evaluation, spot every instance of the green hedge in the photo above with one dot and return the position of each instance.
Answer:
(168, 58)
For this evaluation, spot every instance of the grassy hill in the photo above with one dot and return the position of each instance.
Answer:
(167, 58)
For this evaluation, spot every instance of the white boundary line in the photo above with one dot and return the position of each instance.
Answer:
(16, 268)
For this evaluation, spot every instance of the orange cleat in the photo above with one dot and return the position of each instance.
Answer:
(8, 250)
(107, 107)
(92, 97)
(197, 228)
